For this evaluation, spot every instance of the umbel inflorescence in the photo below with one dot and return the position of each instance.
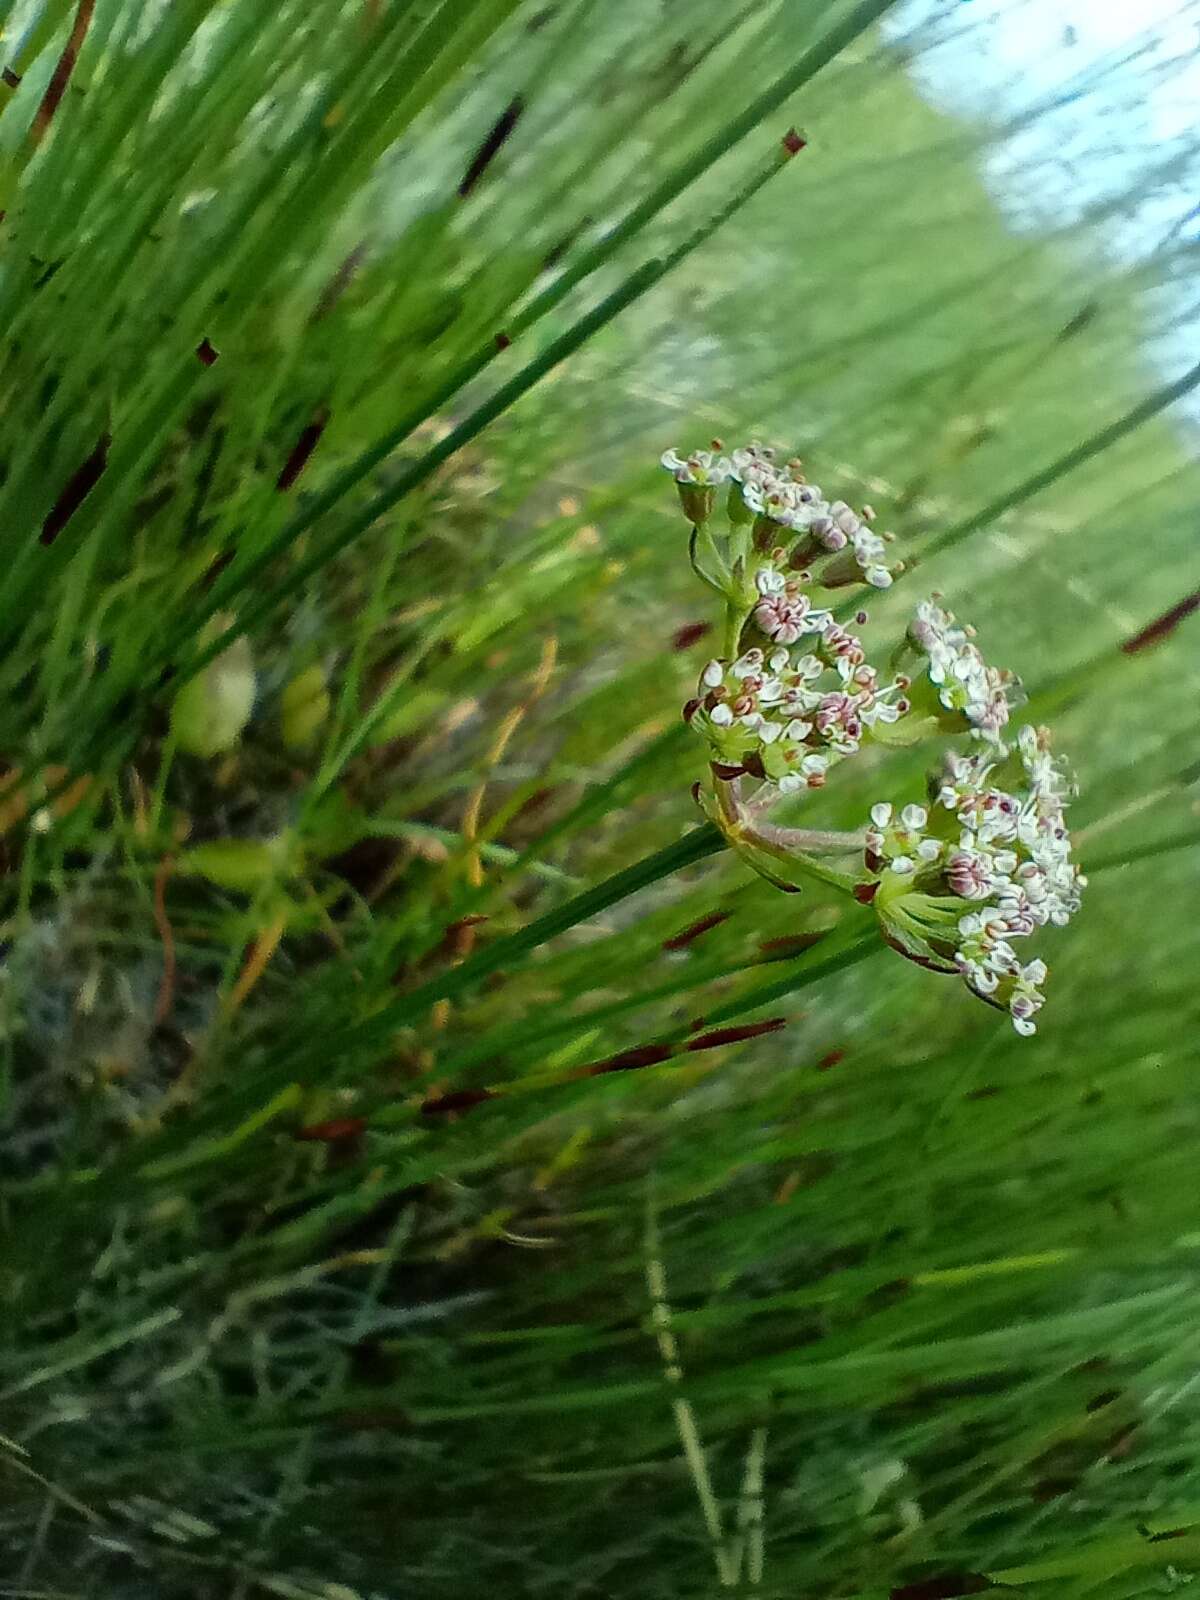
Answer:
(984, 858)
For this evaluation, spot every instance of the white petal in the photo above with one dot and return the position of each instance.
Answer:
(712, 675)
(881, 814)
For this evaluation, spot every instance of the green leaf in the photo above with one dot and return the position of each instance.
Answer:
(244, 865)
(304, 708)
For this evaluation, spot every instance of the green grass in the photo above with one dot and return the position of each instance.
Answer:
(269, 1328)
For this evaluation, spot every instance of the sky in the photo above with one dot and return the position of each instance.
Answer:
(1128, 128)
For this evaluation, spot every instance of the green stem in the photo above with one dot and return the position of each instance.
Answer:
(166, 760)
(693, 847)
(735, 619)
(839, 959)
(809, 841)
(794, 847)
(805, 862)
(1160, 847)
(1100, 441)
(685, 1421)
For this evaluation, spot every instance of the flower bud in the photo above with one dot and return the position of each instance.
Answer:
(211, 710)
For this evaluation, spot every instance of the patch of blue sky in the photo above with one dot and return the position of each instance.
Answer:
(1114, 148)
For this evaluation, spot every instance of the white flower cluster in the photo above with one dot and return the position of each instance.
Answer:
(697, 476)
(781, 502)
(966, 685)
(786, 716)
(954, 883)
(990, 864)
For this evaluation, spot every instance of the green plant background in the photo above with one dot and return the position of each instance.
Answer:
(946, 1277)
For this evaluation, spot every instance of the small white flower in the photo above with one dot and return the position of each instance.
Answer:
(902, 864)
(868, 546)
(914, 817)
(1022, 1019)
(713, 675)
(721, 715)
(881, 711)
(784, 617)
(845, 518)
(701, 467)
(969, 874)
(827, 533)
(752, 458)
(881, 814)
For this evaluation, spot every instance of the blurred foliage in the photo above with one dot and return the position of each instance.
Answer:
(283, 292)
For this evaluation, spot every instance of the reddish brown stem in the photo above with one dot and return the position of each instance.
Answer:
(61, 75)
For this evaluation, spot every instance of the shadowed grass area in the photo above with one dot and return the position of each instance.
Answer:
(346, 619)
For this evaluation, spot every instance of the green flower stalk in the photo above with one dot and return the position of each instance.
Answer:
(952, 882)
